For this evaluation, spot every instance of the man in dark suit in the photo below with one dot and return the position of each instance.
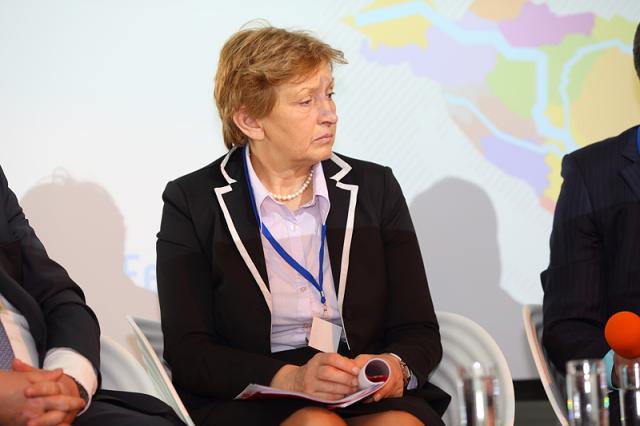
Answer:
(50, 340)
(595, 248)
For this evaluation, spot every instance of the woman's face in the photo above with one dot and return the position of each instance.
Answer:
(301, 127)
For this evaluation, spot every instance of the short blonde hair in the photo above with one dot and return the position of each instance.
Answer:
(256, 60)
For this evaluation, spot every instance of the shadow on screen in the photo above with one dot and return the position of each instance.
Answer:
(83, 230)
(456, 225)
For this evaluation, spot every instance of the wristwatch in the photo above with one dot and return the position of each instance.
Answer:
(406, 373)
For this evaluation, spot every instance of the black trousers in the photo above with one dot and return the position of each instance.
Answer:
(110, 408)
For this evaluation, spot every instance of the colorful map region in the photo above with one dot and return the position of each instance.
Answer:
(525, 84)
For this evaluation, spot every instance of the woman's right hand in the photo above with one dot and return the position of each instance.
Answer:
(326, 375)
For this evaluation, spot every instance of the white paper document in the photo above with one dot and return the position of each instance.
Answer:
(372, 377)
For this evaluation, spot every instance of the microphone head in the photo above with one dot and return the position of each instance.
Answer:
(623, 334)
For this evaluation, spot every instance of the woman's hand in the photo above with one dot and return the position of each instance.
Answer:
(326, 375)
(394, 388)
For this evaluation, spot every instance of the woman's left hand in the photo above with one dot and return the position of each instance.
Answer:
(394, 388)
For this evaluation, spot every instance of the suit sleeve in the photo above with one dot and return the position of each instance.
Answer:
(70, 323)
(201, 363)
(573, 284)
(411, 328)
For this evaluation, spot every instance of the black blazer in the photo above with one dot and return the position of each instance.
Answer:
(53, 305)
(214, 291)
(594, 270)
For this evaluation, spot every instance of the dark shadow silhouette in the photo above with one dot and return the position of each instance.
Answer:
(456, 225)
(83, 230)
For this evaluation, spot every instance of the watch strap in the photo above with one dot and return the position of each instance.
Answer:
(81, 390)
(406, 372)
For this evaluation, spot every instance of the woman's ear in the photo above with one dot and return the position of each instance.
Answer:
(248, 125)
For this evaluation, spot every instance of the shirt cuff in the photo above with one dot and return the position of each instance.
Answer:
(413, 381)
(608, 369)
(75, 365)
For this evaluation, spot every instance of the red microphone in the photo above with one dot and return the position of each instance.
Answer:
(623, 334)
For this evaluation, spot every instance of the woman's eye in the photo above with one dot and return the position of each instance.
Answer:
(330, 95)
(305, 102)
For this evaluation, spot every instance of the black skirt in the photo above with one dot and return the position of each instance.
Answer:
(427, 404)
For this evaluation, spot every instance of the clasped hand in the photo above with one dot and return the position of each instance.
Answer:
(35, 397)
(333, 376)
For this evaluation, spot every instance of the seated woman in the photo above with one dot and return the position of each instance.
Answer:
(280, 237)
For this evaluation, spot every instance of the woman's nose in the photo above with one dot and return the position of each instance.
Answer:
(328, 112)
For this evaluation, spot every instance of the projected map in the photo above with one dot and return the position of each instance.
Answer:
(519, 80)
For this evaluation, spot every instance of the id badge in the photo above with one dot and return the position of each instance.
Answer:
(325, 336)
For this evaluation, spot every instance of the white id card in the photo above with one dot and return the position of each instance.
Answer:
(325, 336)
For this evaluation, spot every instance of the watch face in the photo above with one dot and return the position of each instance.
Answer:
(407, 374)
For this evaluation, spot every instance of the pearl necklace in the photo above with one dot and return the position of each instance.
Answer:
(296, 194)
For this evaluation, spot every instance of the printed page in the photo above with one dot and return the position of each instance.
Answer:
(372, 377)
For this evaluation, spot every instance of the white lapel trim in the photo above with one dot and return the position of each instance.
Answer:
(220, 191)
(228, 178)
(346, 247)
(345, 167)
(348, 233)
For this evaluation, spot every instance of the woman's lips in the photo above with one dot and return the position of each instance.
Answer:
(324, 138)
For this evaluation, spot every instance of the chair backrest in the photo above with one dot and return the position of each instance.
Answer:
(120, 370)
(552, 380)
(148, 335)
(465, 342)
(152, 331)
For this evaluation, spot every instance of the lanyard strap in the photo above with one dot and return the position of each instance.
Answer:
(638, 139)
(280, 250)
(295, 265)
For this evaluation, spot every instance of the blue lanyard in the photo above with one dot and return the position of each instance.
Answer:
(280, 250)
(638, 139)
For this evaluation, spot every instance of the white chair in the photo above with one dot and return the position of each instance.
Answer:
(148, 335)
(552, 381)
(120, 370)
(465, 342)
